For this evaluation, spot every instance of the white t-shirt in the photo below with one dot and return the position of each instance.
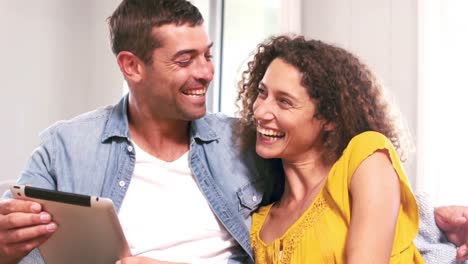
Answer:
(165, 216)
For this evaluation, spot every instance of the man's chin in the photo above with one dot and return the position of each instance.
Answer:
(195, 115)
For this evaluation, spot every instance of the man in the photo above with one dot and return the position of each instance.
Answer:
(183, 190)
(198, 190)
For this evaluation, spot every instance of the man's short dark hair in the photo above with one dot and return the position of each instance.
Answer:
(132, 23)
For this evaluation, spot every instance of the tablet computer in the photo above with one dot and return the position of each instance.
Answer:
(88, 230)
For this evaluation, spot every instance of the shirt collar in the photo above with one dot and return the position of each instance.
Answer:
(202, 129)
(117, 125)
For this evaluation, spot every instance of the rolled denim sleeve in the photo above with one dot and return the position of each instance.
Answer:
(38, 172)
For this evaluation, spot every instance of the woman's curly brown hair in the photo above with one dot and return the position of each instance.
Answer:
(345, 92)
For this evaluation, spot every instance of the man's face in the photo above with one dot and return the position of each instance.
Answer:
(175, 84)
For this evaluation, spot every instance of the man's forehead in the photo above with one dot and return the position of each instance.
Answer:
(183, 36)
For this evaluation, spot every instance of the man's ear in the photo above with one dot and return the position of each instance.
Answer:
(130, 66)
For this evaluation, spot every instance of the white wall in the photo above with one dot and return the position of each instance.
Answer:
(56, 59)
(442, 56)
(383, 33)
(56, 62)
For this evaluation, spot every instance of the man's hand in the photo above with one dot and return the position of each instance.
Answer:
(23, 227)
(143, 260)
(453, 221)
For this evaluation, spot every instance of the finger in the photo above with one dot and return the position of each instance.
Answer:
(137, 260)
(452, 223)
(458, 220)
(20, 235)
(446, 221)
(8, 206)
(462, 253)
(440, 217)
(20, 250)
(17, 220)
(128, 260)
(123, 261)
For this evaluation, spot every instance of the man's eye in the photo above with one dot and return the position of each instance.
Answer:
(183, 63)
(208, 57)
(260, 90)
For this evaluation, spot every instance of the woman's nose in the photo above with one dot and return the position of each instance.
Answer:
(263, 110)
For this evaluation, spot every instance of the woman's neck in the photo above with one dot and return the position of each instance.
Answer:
(304, 180)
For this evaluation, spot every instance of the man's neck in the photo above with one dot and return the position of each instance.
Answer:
(165, 139)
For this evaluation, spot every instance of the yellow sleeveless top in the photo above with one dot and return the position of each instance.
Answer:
(319, 235)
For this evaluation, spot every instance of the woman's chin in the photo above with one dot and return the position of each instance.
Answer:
(265, 153)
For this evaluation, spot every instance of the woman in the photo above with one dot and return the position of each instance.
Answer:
(344, 197)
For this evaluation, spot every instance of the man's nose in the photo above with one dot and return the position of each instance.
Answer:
(204, 70)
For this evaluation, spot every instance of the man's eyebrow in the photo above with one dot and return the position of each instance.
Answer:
(190, 51)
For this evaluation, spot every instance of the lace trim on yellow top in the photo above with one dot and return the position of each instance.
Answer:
(290, 238)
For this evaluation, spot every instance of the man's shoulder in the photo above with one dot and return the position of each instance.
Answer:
(219, 118)
(217, 126)
(220, 122)
(83, 124)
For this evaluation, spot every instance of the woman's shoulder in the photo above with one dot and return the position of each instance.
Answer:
(365, 144)
(360, 148)
(368, 138)
(259, 216)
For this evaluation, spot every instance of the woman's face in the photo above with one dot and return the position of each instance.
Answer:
(286, 126)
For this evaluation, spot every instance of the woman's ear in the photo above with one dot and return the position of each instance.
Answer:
(328, 126)
(131, 66)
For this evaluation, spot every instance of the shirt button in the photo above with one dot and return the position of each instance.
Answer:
(254, 198)
(130, 149)
(121, 183)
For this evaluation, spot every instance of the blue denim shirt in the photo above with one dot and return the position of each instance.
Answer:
(92, 154)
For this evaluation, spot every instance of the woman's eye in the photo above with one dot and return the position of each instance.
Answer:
(285, 102)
